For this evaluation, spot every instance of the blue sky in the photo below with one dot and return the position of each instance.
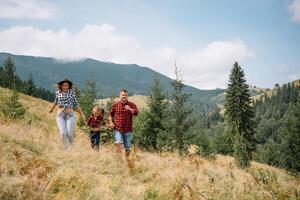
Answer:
(203, 37)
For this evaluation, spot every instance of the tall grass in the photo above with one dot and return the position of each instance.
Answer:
(33, 165)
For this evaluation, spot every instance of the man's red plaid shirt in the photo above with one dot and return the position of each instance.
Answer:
(123, 117)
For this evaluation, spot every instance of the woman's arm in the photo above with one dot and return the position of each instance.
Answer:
(54, 103)
(81, 113)
(52, 108)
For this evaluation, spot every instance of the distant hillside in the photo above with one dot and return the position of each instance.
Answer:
(270, 92)
(109, 77)
(255, 92)
(139, 100)
(33, 165)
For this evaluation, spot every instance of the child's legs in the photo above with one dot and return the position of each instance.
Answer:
(62, 126)
(95, 139)
(70, 126)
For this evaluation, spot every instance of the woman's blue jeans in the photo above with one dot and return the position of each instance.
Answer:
(65, 123)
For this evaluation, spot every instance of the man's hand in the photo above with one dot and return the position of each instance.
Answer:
(127, 107)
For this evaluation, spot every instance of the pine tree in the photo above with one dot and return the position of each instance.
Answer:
(9, 79)
(110, 102)
(180, 120)
(153, 125)
(87, 99)
(290, 134)
(8, 72)
(239, 115)
(30, 88)
(11, 107)
(1, 77)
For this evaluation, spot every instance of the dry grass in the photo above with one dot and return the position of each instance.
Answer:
(33, 165)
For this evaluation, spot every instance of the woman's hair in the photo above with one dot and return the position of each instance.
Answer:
(60, 84)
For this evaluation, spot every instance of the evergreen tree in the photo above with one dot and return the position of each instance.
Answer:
(290, 134)
(30, 88)
(44, 94)
(87, 99)
(12, 107)
(8, 73)
(204, 144)
(240, 152)
(1, 77)
(153, 124)
(180, 120)
(269, 153)
(110, 102)
(9, 79)
(269, 113)
(240, 116)
(139, 122)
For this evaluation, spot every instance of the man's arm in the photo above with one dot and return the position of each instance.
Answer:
(110, 117)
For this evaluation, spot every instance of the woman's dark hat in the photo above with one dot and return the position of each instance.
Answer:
(65, 81)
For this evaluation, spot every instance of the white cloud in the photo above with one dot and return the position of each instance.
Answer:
(283, 68)
(294, 8)
(209, 66)
(293, 77)
(27, 9)
(206, 67)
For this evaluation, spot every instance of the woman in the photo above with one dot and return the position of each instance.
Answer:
(66, 100)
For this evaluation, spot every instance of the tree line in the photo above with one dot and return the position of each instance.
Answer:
(278, 127)
(169, 123)
(267, 130)
(9, 79)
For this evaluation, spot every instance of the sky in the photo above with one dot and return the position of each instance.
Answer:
(202, 37)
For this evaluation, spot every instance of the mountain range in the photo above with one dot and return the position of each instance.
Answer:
(109, 77)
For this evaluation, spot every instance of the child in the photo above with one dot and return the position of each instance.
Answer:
(94, 122)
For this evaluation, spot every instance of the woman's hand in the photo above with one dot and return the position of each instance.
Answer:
(83, 117)
(81, 113)
(111, 125)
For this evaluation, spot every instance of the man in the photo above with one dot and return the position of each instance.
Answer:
(120, 118)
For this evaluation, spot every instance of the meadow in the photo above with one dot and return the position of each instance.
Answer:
(33, 165)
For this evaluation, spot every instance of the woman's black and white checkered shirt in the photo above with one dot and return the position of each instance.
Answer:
(66, 99)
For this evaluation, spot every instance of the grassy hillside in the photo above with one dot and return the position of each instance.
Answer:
(34, 166)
